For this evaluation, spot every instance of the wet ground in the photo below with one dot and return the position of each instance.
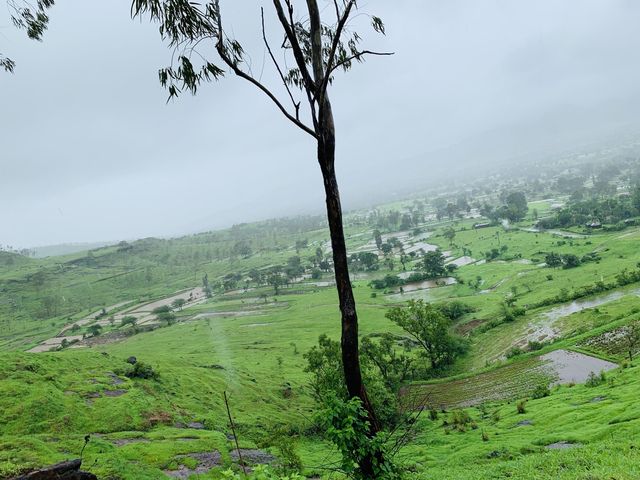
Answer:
(543, 326)
(574, 367)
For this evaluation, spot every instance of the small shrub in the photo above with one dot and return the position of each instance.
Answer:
(142, 370)
(594, 380)
(128, 320)
(459, 420)
(521, 407)
(535, 345)
(433, 414)
(541, 391)
(514, 352)
(495, 416)
(485, 437)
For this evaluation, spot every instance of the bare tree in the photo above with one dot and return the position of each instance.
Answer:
(319, 49)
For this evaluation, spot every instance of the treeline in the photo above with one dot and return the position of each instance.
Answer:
(431, 266)
(569, 260)
(618, 212)
(395, 220)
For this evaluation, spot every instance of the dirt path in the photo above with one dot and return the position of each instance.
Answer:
(92, 317)
(143, 313)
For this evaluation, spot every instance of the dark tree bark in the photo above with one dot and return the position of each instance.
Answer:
(347, 303)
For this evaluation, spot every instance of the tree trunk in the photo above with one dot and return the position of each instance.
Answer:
(349, 339)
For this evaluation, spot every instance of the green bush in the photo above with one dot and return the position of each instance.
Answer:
(514, 352)
(260, 472)
(593, 380)
(347, 427)
(142, 370)
(541, 391)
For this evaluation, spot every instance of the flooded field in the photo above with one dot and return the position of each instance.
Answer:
(543, 327)
(511, 381)
(574, 367)
(462, 261)
(427, 284)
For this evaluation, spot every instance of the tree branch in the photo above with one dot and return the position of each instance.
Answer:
(336, 41)
(296, 105)
(240, 73)
(357, 57)
(293, 40)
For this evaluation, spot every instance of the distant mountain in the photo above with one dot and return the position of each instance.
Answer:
(67, 248)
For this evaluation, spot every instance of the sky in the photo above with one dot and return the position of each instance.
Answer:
(90, 150)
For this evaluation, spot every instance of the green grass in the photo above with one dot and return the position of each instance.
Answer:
(253, 349)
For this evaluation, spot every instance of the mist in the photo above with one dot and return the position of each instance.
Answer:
(92, 150)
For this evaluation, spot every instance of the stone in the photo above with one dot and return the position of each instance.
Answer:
(69, 470)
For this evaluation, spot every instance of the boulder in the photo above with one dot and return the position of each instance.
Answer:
(69, 470)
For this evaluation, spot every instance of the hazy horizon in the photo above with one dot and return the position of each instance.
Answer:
(91, 151)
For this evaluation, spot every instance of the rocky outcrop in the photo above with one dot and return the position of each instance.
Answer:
(69, 470)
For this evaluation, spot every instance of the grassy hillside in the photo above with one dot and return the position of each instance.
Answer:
(487, 415)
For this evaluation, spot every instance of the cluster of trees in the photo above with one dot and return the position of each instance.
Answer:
(394, 220)
(276, 276)
(451, 208)
(24, 252)
(390, 361)
(364, 262)
(431, 266)
(514, 208)
(495, 253)
(568, 260)
(613, 210)
(165, 314)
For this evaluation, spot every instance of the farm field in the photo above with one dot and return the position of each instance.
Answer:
(137, 344)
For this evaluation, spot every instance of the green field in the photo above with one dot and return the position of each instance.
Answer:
(249, 342)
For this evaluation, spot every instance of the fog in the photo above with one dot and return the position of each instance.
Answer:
(90, 150)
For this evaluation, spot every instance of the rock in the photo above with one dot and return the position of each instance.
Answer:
(114, 393)
(206, 462)
(524, 423)
(196, 425)
(562, 445)
(252, 457)
(115, 380)
(69, 470)
(127, 441)
(598, 399)
(132, 360)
